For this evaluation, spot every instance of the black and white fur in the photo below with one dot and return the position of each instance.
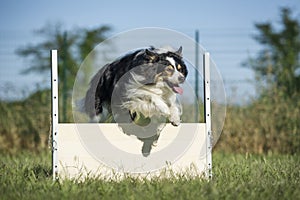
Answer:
(152, 81)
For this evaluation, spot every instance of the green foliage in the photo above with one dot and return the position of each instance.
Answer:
(278, 64)
(271, 122)
(90, 38)
(73, 46)
(25, 124)
(28, 176)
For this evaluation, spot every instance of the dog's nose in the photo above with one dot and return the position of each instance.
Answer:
(181, 79)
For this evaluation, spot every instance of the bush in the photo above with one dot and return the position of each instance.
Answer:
(270, 124)
(25, 124)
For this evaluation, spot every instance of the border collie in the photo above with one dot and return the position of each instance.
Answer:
(144, 83)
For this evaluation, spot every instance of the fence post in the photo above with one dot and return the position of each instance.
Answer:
(64, 78)
(197, 76)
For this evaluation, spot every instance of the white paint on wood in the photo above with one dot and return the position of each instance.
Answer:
(76, 159)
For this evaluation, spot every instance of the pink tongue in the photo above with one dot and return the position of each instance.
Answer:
(178, 90)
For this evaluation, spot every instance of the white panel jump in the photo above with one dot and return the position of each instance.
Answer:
(103, 151)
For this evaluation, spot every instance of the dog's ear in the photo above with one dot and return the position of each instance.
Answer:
(150, 55)
(179, 51)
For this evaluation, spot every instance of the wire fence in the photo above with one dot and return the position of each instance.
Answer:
(229, 48)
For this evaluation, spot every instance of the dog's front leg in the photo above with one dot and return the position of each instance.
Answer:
(161, 107)
(175, 115)
(175, 111)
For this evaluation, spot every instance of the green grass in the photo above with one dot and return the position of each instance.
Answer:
(28, 176)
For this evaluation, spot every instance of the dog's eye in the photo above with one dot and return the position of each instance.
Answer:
(179, 67)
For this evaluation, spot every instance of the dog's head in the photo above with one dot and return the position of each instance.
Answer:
(163, 66)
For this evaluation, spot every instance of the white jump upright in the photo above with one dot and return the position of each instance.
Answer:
(75, 146)
(54, 101)
(207, 110)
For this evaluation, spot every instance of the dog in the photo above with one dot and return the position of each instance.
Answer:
(144, 83)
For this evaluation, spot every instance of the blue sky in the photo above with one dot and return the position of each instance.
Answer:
(225, 29)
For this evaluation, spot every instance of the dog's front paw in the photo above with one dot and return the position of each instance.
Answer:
(175, 120)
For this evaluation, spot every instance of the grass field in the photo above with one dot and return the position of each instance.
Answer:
(28, 176)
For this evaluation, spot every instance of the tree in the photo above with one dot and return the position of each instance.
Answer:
(73, 46)
(274, 115)
(278, 64)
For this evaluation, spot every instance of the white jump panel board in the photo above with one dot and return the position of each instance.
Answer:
(103, 150)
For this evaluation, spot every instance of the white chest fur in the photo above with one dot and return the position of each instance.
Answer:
(152, 100)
